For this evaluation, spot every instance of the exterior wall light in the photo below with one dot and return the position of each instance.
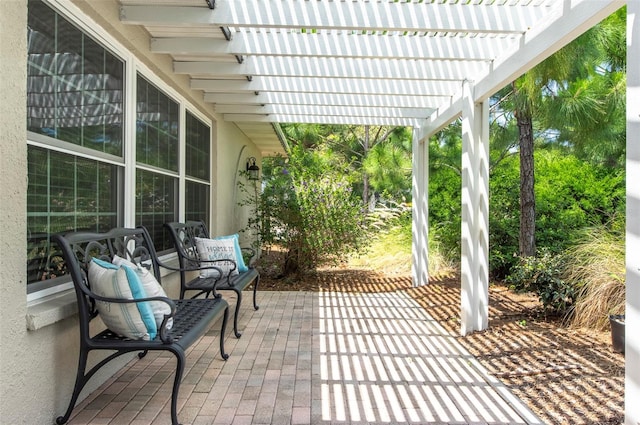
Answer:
(252, 169)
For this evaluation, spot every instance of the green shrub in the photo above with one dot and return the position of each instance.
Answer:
(542, 275)
(306, 207)
(570, 195)
(331, 218)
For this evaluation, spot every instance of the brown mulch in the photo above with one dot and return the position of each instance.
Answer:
(566, 376)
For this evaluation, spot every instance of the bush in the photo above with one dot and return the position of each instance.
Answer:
(570, 195)
(542, 275)
(596, 266)
(332, 221)
(307, 207)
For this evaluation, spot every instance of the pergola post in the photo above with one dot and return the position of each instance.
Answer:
(475, 213)
(420, 208)
(632, 310)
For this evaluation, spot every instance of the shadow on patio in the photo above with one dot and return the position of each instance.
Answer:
(316, 357)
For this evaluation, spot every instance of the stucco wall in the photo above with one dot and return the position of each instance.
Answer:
(233, 151)
(37, 368)
(13, 337)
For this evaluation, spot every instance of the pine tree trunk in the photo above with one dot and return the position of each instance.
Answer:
(365, 177)
(527, 240)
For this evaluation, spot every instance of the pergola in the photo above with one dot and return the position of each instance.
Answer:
(418, 63)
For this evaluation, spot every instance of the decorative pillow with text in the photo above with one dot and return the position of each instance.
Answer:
(236, 246)
(217, 249)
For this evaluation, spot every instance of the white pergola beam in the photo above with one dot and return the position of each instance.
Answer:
(337, 15)
(404, 69)
(290, 109)
(315, 119)
(301, 98)
(342, 45)
(328, 85)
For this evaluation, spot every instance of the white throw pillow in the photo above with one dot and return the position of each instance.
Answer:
(217, 249)
(151, 287)
(133, 321)
(238, 251)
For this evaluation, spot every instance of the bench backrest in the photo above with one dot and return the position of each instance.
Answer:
(78, 248)
(184, 237)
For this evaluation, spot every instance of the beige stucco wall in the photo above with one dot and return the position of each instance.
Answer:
(37, 368)
(236, 149)
(13, 157)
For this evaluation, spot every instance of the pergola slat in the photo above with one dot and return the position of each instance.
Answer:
(339, 45)
(303, 98)
(333, 119)
(382, 16)
(328, 85)
(404, 69)
(315, 110)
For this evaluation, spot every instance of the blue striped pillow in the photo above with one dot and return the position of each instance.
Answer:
(135, 321)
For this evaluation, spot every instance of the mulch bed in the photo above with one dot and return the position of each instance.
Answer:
(565, 375)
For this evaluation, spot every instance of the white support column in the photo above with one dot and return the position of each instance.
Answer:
(420, 208)
(475, 214)
(632, 311)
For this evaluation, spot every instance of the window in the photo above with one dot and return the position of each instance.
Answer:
(78, 154)
(65, 192)
(197, 202)
(197, 169)
(157, 125)
(157, 130)
(74, 86)
(156, 204)
(74, 102)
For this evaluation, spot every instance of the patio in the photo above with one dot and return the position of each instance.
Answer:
(250, 85)
(324, 357)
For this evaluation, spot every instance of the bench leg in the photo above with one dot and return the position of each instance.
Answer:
(223, 330)
(255, 292)
(81, 380)
(180, 360)
(237, 312)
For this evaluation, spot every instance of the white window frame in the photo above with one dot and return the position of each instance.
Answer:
(132, 66)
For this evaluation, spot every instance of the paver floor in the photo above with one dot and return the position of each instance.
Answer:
(315, 358)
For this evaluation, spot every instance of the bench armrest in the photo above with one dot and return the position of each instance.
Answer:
(162, 330)
(198, 265)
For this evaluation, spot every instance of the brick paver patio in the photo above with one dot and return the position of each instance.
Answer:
(315, 358)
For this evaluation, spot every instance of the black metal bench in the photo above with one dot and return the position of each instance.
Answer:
(190, 318)
(184, 237)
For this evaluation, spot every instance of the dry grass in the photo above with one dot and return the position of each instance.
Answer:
(597, 267)
(391, 254)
